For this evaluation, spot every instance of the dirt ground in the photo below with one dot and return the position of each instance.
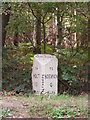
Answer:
(19, 105)
(19, 108)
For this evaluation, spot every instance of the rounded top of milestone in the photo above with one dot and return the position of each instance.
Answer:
(44, 58)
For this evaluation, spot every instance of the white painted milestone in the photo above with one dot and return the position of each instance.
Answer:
(45, 74)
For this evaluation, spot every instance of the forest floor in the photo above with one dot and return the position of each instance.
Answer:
(64, 105)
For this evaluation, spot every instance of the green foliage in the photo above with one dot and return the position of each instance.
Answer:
(16, 70)
(6, 113)
(20, 20)
(48, 49)
(26, 49)
(71, 68)
(17, 62)
(61, 106)
(61, 112)
(77, 58)
(69, 75)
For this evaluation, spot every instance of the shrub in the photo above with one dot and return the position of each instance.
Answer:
(71, 72)
(16, 70)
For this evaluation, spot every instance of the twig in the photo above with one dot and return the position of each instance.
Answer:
(47, 20)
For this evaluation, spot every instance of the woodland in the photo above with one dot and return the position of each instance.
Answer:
(54, 28)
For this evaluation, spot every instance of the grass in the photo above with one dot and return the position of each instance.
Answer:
(6, 112)
(60, 106)
(57, 106)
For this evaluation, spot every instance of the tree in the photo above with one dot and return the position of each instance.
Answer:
(5, 20)
(59, 24)
(42, 15)
(38, 31)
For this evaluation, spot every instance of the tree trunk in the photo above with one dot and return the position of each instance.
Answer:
(59, 25)
(44, 40)
(88, 23)
(16, 39)
(38, 33)
(5, 20)
(34, 36)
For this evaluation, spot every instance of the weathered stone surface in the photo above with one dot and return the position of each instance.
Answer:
(44, 74)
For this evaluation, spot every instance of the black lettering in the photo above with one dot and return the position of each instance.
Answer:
(36, 75)
(46, 76)
(36, 68)
(43, 76)
(42, 90)
(55, 76)
(49, 76)
(51, 68)
(51, 85)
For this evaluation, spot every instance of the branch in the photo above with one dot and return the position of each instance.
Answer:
(35, 15)
(33, 12)
(39, 12)
(48, 19)
(45, 14)
(81, 13)
(30, 41)
(84, 50)
(65, 84)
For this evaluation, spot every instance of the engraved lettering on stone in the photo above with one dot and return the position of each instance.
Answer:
(51, 68)
(44, 74)
(42, 83)
(36, 68)
(36, 75)
(51, 85)
(50, 76)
